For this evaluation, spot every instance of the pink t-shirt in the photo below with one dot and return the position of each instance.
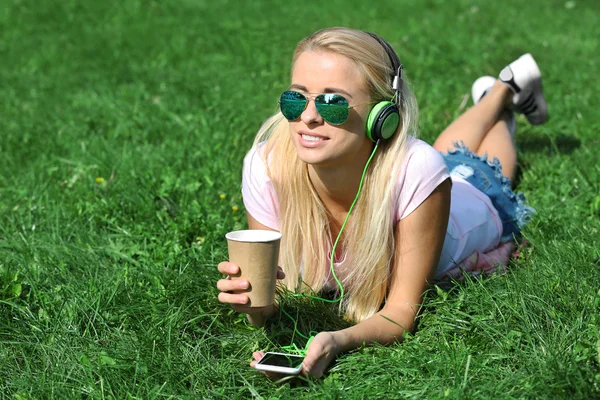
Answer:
(474, 224)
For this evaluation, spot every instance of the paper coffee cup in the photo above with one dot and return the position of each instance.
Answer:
(256, 252)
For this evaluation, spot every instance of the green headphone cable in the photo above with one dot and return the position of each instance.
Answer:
(293, 347)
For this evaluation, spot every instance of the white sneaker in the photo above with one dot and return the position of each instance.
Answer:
(523, 77)
(480, 87)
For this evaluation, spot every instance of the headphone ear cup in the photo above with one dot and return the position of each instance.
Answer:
(383, 121)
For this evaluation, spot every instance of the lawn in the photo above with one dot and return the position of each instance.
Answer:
(123, 126)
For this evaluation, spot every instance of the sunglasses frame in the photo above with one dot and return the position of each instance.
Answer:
(313, 96)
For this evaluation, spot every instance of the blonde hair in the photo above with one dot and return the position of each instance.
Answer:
(368, 239)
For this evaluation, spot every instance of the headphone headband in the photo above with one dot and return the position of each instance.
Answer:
(396, 66)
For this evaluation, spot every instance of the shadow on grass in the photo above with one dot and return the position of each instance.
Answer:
(541, 143)
(299, 318)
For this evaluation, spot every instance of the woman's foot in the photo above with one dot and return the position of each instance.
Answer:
(480, 88)
(523, 77)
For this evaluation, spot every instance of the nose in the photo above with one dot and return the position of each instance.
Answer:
(310, 115)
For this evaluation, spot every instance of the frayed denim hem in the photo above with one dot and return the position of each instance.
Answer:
(522, 213)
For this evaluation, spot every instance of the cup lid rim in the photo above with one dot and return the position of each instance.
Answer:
(253, 235)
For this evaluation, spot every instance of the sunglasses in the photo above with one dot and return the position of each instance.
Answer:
(334, 108)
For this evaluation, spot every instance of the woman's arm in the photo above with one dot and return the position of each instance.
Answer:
(419, 240)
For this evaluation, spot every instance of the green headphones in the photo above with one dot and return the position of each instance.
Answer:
(384, 118)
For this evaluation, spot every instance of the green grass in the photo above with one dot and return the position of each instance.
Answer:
(122, 123)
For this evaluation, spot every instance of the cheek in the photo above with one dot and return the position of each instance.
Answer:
(293, 128)
(356, 124)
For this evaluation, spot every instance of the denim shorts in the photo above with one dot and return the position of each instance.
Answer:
(487, 176)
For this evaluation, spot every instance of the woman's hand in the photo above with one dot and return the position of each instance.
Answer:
(237, 301)
(323, 349)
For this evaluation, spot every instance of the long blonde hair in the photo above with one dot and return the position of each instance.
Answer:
(368, 239)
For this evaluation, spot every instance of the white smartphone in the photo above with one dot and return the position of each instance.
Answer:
(281, 363)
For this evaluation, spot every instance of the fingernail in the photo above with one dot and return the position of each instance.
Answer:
(244, 284)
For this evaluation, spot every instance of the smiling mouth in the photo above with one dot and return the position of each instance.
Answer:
(310, 138)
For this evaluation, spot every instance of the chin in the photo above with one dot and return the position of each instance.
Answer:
(310, 156)
(315, 157)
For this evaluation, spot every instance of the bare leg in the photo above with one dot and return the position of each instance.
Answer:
(472, 126)
(499, 143)
(481, 120)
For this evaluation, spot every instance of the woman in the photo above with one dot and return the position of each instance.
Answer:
(347, 115)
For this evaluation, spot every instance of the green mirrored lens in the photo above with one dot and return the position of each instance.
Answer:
(292, 104)
(333, 108)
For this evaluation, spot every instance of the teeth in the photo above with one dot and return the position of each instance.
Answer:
(312, 138)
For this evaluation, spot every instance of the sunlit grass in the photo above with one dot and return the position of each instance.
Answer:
(122, 131)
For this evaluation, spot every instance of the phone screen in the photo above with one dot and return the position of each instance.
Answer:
(281, 360)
